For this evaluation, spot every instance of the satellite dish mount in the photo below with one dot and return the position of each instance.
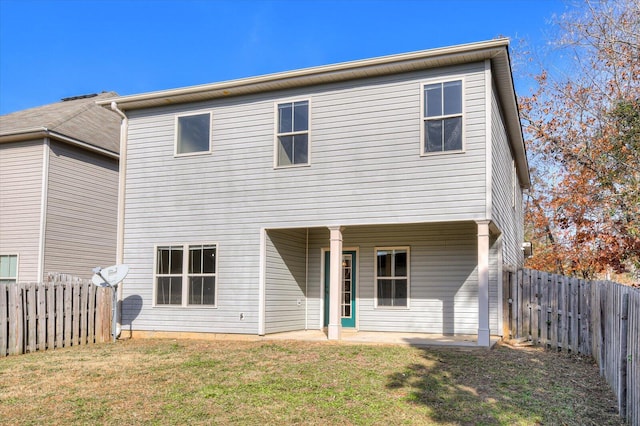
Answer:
(111, 277)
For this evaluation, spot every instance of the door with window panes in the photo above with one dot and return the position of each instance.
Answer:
(347, 289)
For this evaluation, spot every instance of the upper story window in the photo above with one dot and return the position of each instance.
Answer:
(442, 117)
(292, 138)
(186, 275)
(193, 134)
(8, 268)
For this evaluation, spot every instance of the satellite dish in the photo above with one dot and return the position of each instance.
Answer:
(110, 276)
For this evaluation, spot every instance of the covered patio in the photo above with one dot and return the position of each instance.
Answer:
(328, 283)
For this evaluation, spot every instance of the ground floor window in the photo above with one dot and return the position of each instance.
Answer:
(392, 277)
(185, 275)
(8, 268)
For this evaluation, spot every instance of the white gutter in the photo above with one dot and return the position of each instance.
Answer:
(43, 132)
(164, 96)
(124, 126)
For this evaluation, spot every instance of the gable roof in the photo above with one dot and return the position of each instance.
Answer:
(497, 51)
(78, 120)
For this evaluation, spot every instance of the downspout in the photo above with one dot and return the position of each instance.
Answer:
(122, 171)
(44, 192)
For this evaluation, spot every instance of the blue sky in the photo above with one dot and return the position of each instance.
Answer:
(55, 49)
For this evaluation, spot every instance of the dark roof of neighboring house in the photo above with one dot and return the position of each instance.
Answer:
(78, 120)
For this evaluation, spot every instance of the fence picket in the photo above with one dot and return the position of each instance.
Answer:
(75, 317)
(573, 316)
(544, 309)
(59, 286)
(51, 316)
(535, 306)
(526, 304)
(30, 326)
(83, 314)
(554, 312)
(563, 310)
(41, 317)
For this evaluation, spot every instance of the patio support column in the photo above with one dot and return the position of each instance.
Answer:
(483, 283)
(335, 281)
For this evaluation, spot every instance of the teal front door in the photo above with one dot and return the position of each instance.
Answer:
(347, 289)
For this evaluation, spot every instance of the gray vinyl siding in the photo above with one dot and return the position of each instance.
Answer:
(365, 169)
(82, 201)
(20, 204)
(443, 277)
(285, 298)
(506, 217)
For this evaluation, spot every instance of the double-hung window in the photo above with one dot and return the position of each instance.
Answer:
(193, 134)
(186, 275)
(392, 277)
(8, 268)
(442, 117)
(292, 136)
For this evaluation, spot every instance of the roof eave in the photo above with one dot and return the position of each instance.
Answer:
(308, 76)
(43, 132)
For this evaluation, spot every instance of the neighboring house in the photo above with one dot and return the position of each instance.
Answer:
(58, 189)
(377, 195)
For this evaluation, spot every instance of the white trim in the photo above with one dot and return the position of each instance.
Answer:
(499, 260)
(354, 69)
(44, 191)
(262, 285)
(442, 80)
(488, 163)
(175, 135)
(375, 278)
(306, 282)
(185, 276)
(334, 329)
(276, 116)
(484, 333)
(514, 184)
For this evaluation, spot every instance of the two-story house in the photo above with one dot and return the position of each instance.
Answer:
(58, 189)
(377, 195)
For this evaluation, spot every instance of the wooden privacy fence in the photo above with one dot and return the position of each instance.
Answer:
(595, 318)
(64, 311)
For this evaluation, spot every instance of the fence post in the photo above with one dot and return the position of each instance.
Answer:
(622, 379)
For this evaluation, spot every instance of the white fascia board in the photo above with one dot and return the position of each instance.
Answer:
(348, 70)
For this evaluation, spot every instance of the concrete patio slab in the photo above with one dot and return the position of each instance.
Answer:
(383, 338)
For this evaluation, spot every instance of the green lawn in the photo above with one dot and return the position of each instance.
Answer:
(273, 383)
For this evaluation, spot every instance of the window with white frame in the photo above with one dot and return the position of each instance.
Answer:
(193, 134)
(292, 136)
(392, 277)
(186, 275)
(442, 117)
(8, 268)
